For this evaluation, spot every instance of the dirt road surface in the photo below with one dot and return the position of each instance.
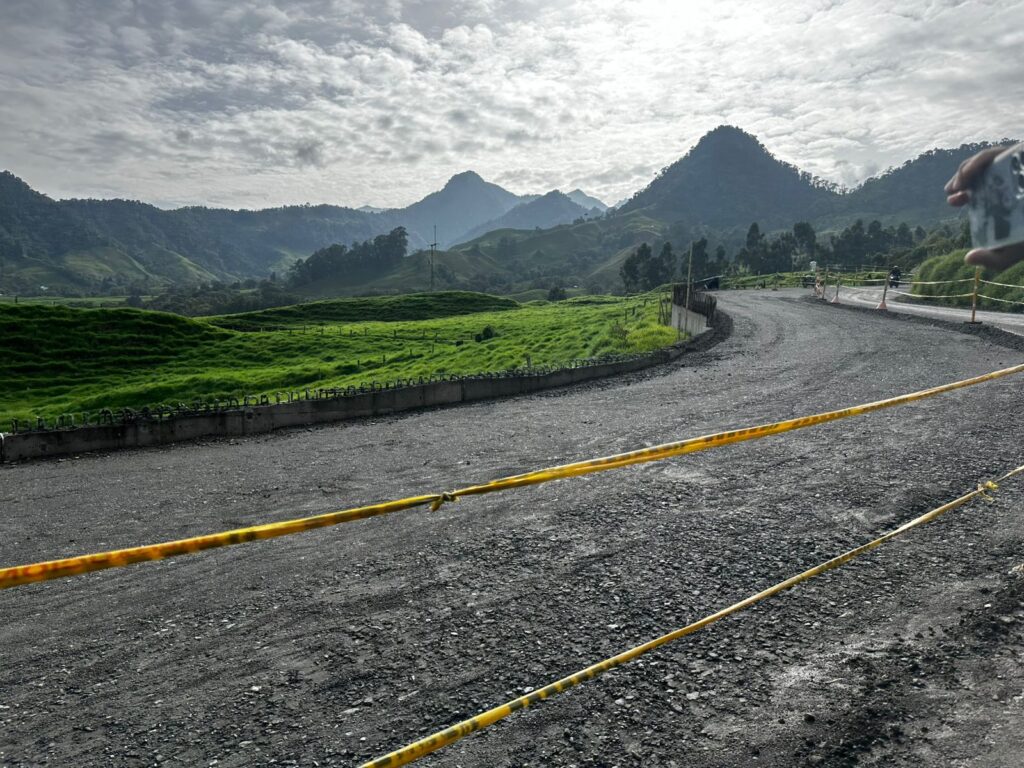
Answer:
(338, 645)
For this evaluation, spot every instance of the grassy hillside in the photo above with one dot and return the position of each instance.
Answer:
(589, 253)
(62, 360)
(451, 268)
(413, 306)
(951, 267)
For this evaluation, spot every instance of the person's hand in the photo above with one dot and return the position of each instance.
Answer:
(958, 193)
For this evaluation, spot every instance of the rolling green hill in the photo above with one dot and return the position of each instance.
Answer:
(413, 306)
(60, 360)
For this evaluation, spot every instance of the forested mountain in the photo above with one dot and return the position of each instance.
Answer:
(465, 202)
(727, 182)
(584, 200)
(729, 179)
(912, 192)
(545, 212)
(124, 245)
(46, 245)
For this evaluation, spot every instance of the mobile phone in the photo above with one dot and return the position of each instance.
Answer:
(996, 205)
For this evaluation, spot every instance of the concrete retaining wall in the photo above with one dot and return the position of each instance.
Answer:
(265, 418)
(688, 321)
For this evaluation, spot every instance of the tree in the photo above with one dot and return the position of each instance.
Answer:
(634, 269)
(661, 269)
(557, 293)
(904, 237)
(780, 250)
(754, 253)
(719, 265)
(806, 240)
(700, 259)
(506, 247)
(755, 239)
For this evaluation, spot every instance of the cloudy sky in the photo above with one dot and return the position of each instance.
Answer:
(256, 103)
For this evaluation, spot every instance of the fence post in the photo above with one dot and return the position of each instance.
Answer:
(885, 290)
(974, 296)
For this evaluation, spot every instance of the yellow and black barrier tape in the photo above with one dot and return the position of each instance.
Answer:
(432, 743)
(72, 566)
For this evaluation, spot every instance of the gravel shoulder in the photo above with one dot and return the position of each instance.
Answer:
(339, 645)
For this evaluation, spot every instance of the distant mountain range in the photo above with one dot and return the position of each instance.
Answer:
(546, 211)
(728, 180)
(89, 244)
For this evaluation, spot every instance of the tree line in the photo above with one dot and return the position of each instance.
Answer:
(792, 250)
(358, 262)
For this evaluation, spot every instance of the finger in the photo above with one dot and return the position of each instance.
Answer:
(971, 168)
(958, 198)
(997, 259)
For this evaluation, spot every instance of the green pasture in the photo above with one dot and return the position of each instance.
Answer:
(66, 301)
(56, 360)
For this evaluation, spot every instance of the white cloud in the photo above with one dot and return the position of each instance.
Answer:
(349, 101)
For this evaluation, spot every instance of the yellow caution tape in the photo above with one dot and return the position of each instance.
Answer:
(1001, 301)
(432, 743)
(1002, 285)
(931, 296)
(56, 569)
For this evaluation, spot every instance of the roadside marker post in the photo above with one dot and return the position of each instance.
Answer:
(974, 298)
(835, 299)
(885, 290)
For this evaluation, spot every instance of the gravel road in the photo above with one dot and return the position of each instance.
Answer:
(341, 644)
(871, 296)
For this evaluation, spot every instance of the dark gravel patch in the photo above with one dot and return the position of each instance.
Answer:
(338, 645)
(989, 333)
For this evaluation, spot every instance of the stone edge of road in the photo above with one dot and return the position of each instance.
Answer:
(983, 331)
(660, 361)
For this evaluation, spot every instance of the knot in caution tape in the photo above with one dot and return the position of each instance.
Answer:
(983, 489)
(441, 499)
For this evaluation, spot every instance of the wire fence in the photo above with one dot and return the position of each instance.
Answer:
(891, 285)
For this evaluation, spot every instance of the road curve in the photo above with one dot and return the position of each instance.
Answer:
(338, 645)
(1012, 323)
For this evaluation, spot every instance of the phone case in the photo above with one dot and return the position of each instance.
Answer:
(996, 207)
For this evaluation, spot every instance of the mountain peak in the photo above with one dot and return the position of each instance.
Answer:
(730, 174)
(727, 137)
(466, 178)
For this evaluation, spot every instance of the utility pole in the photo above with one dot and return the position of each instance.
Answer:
(433, 245)
(689, 282)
